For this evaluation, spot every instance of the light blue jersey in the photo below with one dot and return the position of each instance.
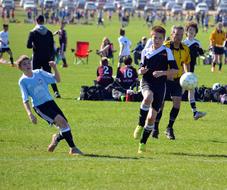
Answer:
(36, 87)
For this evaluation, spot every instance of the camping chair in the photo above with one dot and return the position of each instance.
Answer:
(81, 52)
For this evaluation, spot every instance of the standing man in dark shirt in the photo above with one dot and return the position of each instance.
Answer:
(158, 63)
(41, 41)
(62, 42)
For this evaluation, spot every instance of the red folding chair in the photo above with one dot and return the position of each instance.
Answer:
(81, 52)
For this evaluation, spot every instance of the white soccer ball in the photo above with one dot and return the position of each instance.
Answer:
(189, 81)
(216, 86)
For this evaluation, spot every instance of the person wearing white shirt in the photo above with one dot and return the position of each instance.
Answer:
(125, 45)
(4, 43)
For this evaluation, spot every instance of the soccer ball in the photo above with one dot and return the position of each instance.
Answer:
(188, 81)
(216, 86)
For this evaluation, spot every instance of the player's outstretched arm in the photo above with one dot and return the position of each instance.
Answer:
(56, 73)
(29, 112)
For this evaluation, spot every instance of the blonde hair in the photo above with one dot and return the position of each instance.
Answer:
(103, 42)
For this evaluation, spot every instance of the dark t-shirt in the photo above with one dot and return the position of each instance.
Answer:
(127, 76)
(160, 59)
(42, 44)
(104, 75)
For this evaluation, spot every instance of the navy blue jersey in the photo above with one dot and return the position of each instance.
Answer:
(160, 59)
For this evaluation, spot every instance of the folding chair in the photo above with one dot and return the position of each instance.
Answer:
(81, 52)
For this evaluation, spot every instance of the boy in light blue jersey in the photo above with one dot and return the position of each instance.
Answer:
(34, 84)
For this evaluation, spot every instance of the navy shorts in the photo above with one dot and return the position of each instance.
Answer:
(159, 92)
(192, 67)
(3, 50)
(48, 111)
(218, 50)
(174, 88)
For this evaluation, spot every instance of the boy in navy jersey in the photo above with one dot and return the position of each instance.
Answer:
(195, 51)
(34, 84)
(127, 75)
(157, 63)
(104, 73)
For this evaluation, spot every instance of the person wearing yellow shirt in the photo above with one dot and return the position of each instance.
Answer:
(217, 39)
(181, 54)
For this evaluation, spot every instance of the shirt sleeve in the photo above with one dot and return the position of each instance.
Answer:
(135, 73)
(142, 57)
(200, 49)
(171, 61)
(118, 73)
(48, 77)
(212, 38)
(30, 40)
(24, 92)
(187, 56)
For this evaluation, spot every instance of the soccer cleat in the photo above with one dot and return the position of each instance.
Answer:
(53, 143)
(170, 134)
(138, 131)
(57, 95)
(198, 115)
(142, 148)
(155, 133)
(75, 151)
(65, 65)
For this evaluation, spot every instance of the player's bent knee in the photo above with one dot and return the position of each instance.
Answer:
(60, 121)
(147, 101)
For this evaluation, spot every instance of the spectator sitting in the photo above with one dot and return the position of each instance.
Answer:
(127, 76)
(138, 49)
(104, 73)
(106, 49)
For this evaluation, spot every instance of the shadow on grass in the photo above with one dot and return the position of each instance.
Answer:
(217, 141)
(199, 155)
(67, 98)
(210, 140)
(114, 157)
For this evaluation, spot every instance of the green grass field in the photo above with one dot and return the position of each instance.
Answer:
(197, 159)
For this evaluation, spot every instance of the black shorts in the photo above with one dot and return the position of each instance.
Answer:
(3, 50)
(159, 92)
(48, 111)
(218, 50)
(174, 88)
(192, 67)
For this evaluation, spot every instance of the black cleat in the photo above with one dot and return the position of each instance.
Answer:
(170, 134)
(155, 133)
